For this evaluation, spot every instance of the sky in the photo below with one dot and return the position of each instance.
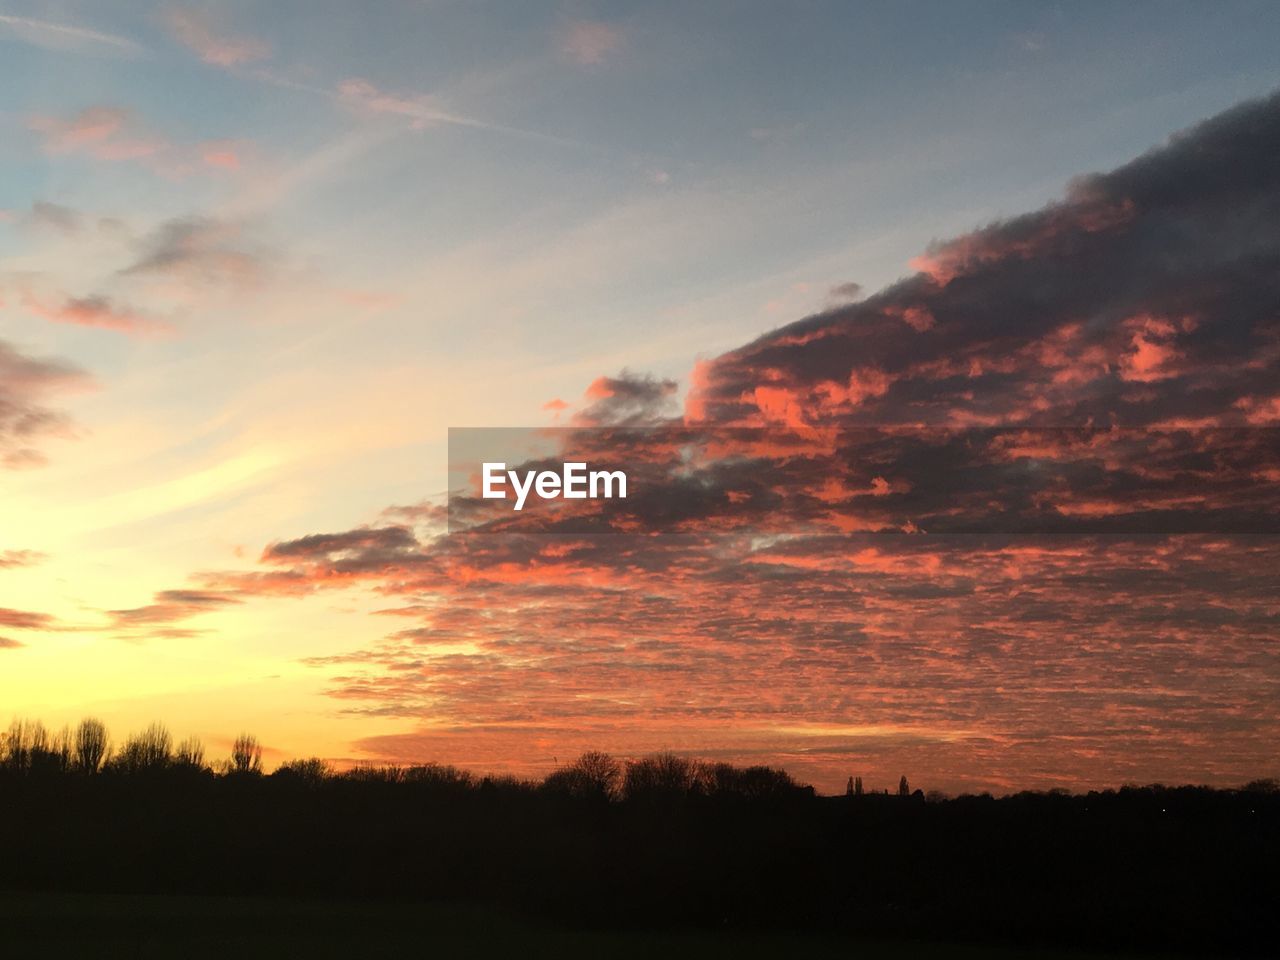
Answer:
(255, 261)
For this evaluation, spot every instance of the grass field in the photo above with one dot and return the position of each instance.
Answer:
(56, 926)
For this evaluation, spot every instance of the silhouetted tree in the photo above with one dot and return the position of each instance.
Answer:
(152, 749)
(29, 747)
(752, 783)
(857, 786)
(903, 789)
(376, 773)
(25, 740)
(92, 745)
(594, 775)
(663, 774)
(308, 770)
(190, 753)
(721, 844)
(246, 755)
(439, 776)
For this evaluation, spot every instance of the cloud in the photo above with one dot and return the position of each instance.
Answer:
(201, 251)
(24, 620)
(627, 399)
(26, 386)
(96, 311)
(845, 292)
(169, 607)
(7, 643)
(1097, 368)
(556, 406)
(60, 36)
(1158, 273)
(589, 42)
(54, 216)
(10, 559)
(111, 134)
(199, 32)
(356, 547)
(103, 132)
(224, 154)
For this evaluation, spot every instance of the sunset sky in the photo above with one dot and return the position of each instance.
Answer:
(256, 260)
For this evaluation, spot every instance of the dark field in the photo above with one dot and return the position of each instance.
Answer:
(658, 857)
(58, 926)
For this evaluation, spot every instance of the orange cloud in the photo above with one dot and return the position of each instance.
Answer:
(842, 578)
(95, 311)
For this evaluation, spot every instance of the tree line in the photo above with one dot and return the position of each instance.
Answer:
(654, 841)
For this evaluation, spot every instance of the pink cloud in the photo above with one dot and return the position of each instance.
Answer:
(221, 153)
(100, 131)
(198, 31)
(944, 654)
(114, 135)
(26, 385)
(94, 311)
(590, 42)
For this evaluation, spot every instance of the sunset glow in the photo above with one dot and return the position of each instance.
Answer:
(965, 393)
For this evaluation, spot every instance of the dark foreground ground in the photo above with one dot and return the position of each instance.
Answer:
(82, 926)
(679, 860)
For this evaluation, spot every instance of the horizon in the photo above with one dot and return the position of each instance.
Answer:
(28, 742)
(255, 266)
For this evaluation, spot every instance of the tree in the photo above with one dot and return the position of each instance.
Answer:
(857, 786)
(308, 770)
(663, 774)
(246, 755)
(903, 789)
(594, 775)
(190, 753)
(152, 749)
(91, 745)
(26, 740)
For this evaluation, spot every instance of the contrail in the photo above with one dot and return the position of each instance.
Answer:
(428, 114)
(66, 30)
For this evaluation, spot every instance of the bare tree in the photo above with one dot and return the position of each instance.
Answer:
(190, 753)
(594, 774)
(25, 744)
(308, 770)
(663, 774)
(152, 749)
(60, 750)
(246, 754)
(91, 745)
